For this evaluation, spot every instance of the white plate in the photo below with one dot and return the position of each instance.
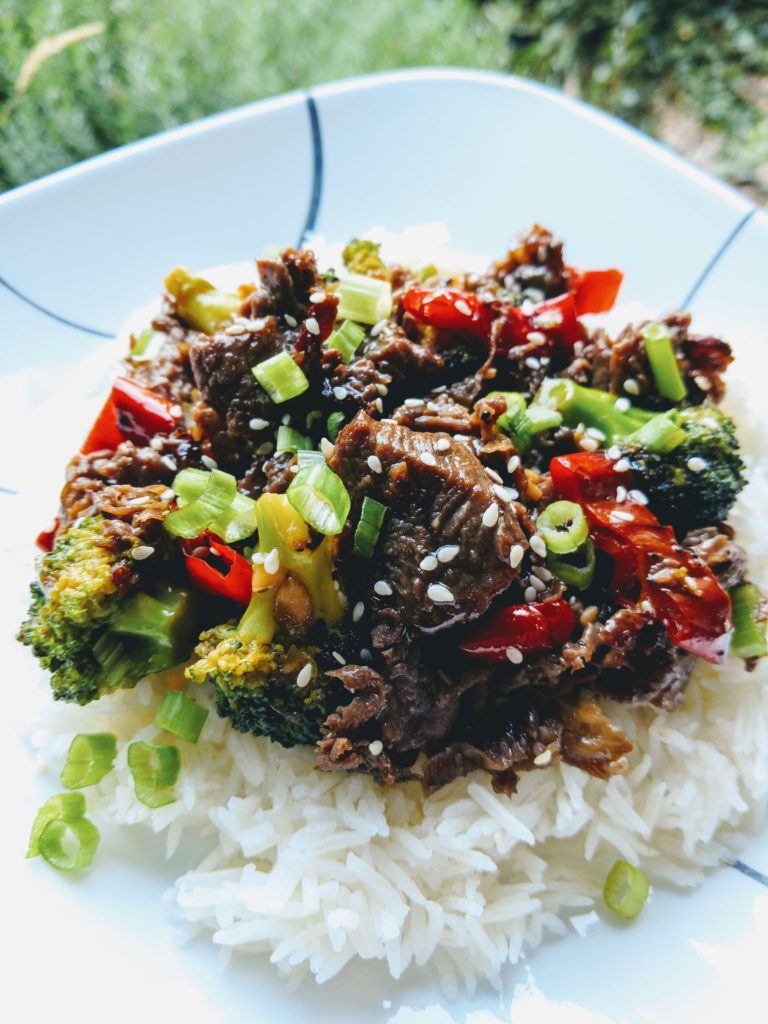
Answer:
(486, 155)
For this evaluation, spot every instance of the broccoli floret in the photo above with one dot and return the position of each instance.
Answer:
(198, 303)
(696, 483)
(257, 680)
(362, 257)
(90, 633)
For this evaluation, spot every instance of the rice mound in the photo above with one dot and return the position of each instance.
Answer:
(314, 870)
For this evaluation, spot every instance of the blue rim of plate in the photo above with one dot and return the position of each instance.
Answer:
(613, 124)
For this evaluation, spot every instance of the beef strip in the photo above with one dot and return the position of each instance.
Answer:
(169, 372)
(437, 494)
(715, 546)
(533, 268)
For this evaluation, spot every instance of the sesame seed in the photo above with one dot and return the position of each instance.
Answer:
(491, 515)
(175, 411)
(439, 593)
(339, 657)
(170, 463)
(544, 360)
(378, 328)
(622, 404)
(382, 588)
(291, 320)
(596, 433)
(536, 338)
(589, 444)
(493, 475)
(589, 615)
(463, 307)
(208, 462)
(339, 393)
(286, 419)
(304, 676)
(696, 464)
(312, 325)
(358, 611)
(447, 552)
(702, 382)
(621, 466)
(142, 551)
(382, 389)
(530, 594)
(537, 584)
(258, 424)
(257, 558)
(428, 459)
(622, 517)
(326, 447)
(428, 563)
(639, 496)
(542, 760)
(375, 747)
(378, 405)
(317, 297)
(621, 494)
(515, 655)
(514, 464)
(374, 463)
(502, 493)
(365, 654)
(442, 444)
(167, 494)
(516, 553)
(631, 386)
(461, 437)
(265, 448)
(538, 546)
(614, 452)
(156, 443)
(532, 363)
(413, 402)
(272, 562)
(432, 407)
(542, 572)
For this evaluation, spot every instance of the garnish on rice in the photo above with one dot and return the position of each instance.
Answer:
(402, 517)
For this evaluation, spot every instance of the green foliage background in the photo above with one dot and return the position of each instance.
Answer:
(694, 72)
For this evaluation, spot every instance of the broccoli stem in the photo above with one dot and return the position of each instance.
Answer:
(589, 406)
(200, 304)
(258, 622)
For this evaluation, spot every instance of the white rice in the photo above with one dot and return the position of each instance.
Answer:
(314, 870)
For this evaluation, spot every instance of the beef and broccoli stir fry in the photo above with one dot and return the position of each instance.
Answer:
(421, 523)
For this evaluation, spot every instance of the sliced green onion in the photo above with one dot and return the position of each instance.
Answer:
(64, 807)
(290, 440)
(661, 356)
(195, 517)
(626, 890)
(563, 526)
(200, 304)
(749, 639)
(541, 419)
(306, 458)
(576, 569)
(320, 498)
(426, 272)
(181, 716)
(346, 339)
(69, 845)
(365, 299)
(281, 377)
(146, 346)
(521, 423)
(155, 771)
(334, 425)
(659, 434)
(90, 757)
(239, 520)
(367, 533)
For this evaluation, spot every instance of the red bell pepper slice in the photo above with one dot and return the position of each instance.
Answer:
(594, 291)
(652, 572)
(540, 626)
(46, 538)
(131, 413)
(218, 569)
(552, 325)
(449, 309)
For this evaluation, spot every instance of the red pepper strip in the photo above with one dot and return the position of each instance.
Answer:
(235, 582)
(131, 413)
(594, 291)
(46, 538)
(652, 571)
(555, 320)
(528, 627)
(449, 309)
(324, 312)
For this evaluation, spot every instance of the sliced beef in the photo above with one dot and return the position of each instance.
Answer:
(533, 268)
(609, 364)
(716, 547)
(438, 496)
(284, 286)
(169, 372)
(436, 413)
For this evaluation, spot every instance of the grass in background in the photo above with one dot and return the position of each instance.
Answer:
(695, 72)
